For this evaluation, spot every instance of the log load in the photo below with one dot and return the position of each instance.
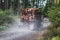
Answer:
(28, 14)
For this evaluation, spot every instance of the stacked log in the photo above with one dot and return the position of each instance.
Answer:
(29, 13)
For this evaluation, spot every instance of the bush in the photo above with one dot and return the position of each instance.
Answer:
(5, 18)
(56, 38)
(3, 27)
(54, 14)
(58, 30)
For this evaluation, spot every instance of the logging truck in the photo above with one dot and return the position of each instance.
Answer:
(28, 14)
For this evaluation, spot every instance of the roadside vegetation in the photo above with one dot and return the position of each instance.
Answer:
(5, 19)
(8, 10)
(52, 11)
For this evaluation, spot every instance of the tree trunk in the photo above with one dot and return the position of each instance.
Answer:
(0, 4)
(18, 6)
(6, 4)
(24, 3)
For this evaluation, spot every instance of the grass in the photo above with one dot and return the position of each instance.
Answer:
(56, 38)
(3, 27)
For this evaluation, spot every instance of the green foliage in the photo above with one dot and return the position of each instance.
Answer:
(56, 38)
(51, 31)
(5, 18)
(54, 14)
(3, 27)
(25, 3)
(58, 30)
(52, 11)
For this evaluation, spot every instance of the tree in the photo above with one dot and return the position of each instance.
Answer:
(25, 3)
(5, 4)
(52, 11)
